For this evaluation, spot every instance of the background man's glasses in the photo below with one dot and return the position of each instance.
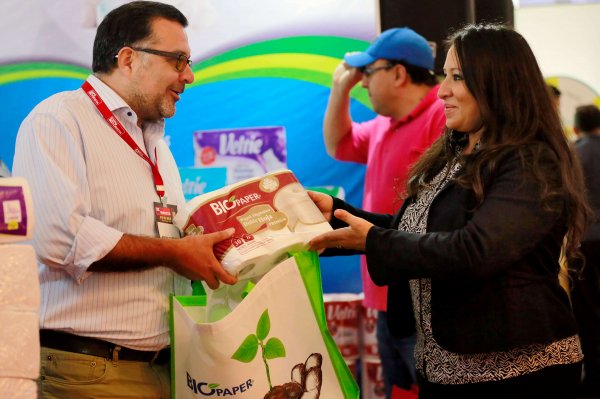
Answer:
(367, 71)
(182, 59)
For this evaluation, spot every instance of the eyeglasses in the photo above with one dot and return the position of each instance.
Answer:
(182, 59)
(367, 71)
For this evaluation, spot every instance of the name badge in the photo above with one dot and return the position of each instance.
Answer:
(163, 216)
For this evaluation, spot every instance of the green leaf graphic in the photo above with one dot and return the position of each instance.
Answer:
(213, 386)
(247, 350)
(274, 348)
(231, 199)
(264, 325)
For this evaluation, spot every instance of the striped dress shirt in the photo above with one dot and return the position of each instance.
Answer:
(88, 188)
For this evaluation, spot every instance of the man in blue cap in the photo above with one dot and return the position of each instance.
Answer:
(397, 72)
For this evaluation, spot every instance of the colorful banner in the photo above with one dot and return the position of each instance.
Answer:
(260, 63)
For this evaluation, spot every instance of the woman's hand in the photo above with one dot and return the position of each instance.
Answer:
(324, 202)
(352, 237)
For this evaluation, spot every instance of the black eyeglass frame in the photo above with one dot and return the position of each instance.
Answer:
(368, 71)
(182, 59)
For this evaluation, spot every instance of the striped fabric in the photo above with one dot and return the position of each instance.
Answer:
(89, 188)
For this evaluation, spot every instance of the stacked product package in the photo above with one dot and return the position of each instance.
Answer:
(372, 385)
(19, 293)
(272, 216)
(342, 311)
(353, 328)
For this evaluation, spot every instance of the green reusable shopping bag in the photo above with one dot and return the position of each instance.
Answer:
(274, 344)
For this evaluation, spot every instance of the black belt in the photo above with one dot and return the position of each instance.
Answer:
(95, 347)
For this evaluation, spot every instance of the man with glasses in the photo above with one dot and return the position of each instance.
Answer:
(397, 72)
(105, 189)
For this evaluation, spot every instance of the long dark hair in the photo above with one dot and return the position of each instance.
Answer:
(503, 76)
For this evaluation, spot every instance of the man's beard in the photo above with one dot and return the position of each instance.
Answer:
(166, 107)
(154, 109)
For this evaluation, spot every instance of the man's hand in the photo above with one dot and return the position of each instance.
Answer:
(337, 122)
(345, 77)
(196, 260)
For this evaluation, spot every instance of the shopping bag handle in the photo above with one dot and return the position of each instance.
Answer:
(198, 289)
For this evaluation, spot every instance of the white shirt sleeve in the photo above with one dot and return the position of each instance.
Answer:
(49, 154)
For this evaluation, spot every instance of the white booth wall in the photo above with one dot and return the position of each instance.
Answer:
(565, 39)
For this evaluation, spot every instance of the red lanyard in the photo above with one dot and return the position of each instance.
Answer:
(114, 123)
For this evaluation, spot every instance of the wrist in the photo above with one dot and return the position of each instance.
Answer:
(341, 91)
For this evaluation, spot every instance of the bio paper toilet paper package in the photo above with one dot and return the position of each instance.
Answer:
(272, 215)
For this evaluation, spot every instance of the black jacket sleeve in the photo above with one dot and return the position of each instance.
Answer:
(508, 224)
(375, 218)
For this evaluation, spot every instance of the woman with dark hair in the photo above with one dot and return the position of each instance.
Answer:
(476, 244)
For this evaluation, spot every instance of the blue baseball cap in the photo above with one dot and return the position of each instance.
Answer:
(400, 44)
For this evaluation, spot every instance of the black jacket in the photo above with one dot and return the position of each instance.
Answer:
(493, 268)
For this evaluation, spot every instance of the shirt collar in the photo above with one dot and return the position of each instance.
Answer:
(110, 97)
(425, 103)
(114, 102)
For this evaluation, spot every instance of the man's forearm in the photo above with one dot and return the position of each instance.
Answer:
(337, 122)
(136, 253)
(191, 256)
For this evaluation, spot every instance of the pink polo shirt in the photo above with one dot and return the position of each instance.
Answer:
(389, 147)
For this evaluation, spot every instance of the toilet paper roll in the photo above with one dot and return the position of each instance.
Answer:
(293, 200)
(19, 284)
(247, 263)
(16, 210)
(18, 388)
(19, 344)
(221, 301)
(225, 298)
